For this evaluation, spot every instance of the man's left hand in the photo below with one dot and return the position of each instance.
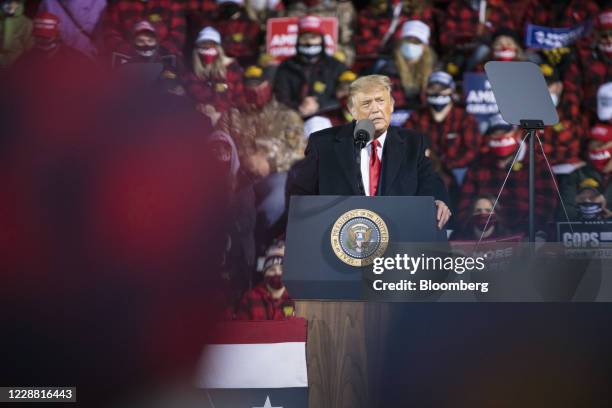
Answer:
(443, 213)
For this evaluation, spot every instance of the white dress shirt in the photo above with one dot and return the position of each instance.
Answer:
(366, 153)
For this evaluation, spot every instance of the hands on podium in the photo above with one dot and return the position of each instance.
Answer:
(443, 213)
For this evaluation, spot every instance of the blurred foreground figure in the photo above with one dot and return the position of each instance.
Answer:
(112, 211)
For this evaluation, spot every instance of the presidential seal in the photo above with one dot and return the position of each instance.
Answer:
(359, 236)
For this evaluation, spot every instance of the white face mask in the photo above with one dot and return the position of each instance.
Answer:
(555, 99)
(411, 51)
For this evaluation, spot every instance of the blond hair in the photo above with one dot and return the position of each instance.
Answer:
(414, 76)
(216, 70)
(366, 83)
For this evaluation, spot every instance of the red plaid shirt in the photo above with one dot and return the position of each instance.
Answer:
(222, 93)
(257, 304)
(544, 13)
(371, 28)
(459, 24)
(456, 140)
(562, 141)
(166, 15)
(485, 177)
(204, 6)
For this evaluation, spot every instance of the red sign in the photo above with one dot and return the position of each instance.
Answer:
(282, 36)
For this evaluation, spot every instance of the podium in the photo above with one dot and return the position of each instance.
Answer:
(329, 239)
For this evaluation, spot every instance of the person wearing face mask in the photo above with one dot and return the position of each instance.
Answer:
(483, 221)
(504, 46)
(49, 49)
(79, 22)
(215, 82)
(307, 81)
(266, 130)
(379, 27)
(121, 16)
(240, 34)
(269, 299)
(15, 32)
(343, 10)
(455, 138)
(412, 63)
(598, 168)
(487, 174)
(466, 27)
(147, 50)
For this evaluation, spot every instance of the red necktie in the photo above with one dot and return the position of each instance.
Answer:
(374, 167)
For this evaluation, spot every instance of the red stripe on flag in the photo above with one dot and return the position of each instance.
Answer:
(260, 332)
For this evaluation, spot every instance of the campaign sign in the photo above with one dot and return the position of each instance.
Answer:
(548, 38)
(282, 35)
(478, 94)
(587, 237)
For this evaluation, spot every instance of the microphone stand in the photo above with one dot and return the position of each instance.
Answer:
(531, 127)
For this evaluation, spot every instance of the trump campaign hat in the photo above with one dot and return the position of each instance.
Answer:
(310, 24)
(496, 122)
(209, 34)
(601, 132)
(604, 102)
(144, 26)
(416, 29)
(442, 78)
(46, 25)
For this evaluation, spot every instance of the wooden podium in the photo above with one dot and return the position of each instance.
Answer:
(346, 348)
(344, 352)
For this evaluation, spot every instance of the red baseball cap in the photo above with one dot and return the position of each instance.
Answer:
(310, 24)
(601, 132)
(46, 25)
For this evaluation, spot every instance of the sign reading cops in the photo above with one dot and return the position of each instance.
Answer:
(579, 238)
(282, 35)
(548, 38)
(478, 94)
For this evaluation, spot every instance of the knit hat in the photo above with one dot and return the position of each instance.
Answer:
(347, 76)
(417, 29)
(274, 256)
(46, 25)
(209, 34)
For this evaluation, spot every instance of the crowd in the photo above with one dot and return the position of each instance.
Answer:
(212, 54)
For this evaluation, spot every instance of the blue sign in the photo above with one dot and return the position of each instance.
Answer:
(479, 98)
(548, 38)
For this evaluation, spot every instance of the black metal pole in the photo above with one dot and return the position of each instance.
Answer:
(532, 135)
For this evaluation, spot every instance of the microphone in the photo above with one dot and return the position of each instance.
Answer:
(363, 133)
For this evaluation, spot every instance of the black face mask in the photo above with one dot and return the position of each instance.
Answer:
(590, 211)
(227, 11)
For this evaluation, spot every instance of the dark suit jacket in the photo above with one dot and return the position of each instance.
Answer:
(330, 166)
